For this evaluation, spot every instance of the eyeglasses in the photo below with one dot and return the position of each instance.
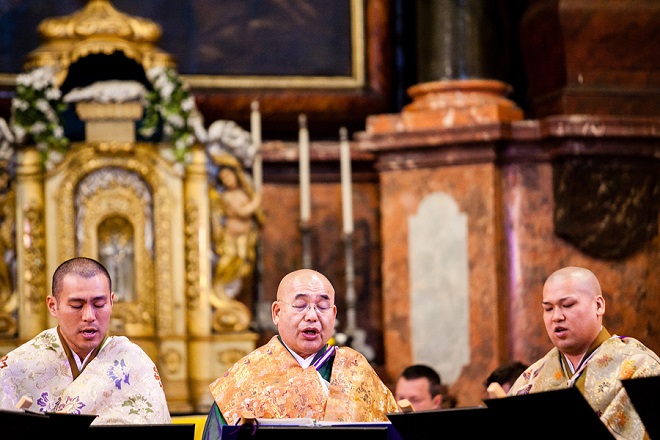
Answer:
(322, 307)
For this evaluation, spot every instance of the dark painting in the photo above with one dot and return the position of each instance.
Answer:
(263, 38)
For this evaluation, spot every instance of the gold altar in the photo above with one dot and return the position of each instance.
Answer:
(155, 213)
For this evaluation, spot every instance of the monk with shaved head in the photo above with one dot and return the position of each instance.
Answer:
(297, 374)
(586, 355)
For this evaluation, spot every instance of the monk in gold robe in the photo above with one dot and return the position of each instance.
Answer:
(297, 374)
(586, 355)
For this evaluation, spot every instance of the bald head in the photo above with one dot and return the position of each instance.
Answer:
(583, 280)
(307, 278)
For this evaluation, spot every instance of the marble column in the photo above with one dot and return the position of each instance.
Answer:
(449, 34)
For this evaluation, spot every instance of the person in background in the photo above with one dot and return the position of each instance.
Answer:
(297, 374)
(586, 355)
(76, 367)
(505, 375)
(421, 386)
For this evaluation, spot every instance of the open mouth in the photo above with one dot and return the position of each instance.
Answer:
(310, 332)
(88, 333)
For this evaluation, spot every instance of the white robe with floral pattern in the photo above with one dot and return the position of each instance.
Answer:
(121, 384)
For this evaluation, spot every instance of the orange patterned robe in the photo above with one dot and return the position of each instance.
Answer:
(614, 358)
(270, 383)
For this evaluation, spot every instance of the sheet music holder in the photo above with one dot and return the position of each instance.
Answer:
(470, 422)
(29, 424)
(77, 422)
(33, 425)
(278, 432)
(644, 392)
(530, 415)
(21, 424)
(183, 431)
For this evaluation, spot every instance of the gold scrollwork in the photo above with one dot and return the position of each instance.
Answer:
(34, 240)
(191, 231)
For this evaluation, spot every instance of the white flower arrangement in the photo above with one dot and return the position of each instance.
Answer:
(37, 110)
(171, 102)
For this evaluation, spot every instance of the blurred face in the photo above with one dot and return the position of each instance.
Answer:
(305, 311)
(417, 392)
(572, 312)
(228, 178)
(82, 311)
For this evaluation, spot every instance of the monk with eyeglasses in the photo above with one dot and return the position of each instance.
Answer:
(297, 374)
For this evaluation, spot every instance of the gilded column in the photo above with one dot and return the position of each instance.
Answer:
(198, 274)
(31, 279)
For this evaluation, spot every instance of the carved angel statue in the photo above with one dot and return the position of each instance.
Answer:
(235, 222)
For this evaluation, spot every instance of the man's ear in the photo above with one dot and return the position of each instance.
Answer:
(275, 312)
(52, 305)
(437, 401)
(600, 305)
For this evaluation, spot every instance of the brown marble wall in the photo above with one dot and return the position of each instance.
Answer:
(474, 188)
(592, 56)
(507, 178)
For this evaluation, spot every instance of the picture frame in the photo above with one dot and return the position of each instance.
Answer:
(329, 59)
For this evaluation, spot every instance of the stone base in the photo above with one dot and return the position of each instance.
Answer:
(451, 103)
(109, 122)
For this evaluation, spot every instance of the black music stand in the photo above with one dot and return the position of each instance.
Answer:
(278, 432)
(643, 393)
(470, 422)
(532, 416)
(28, 424)
(183, 431)
(33, 425)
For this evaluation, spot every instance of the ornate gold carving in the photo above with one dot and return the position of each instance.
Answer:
(191, 231)
(172, 361)
(8, 297)
(127, 186)
(229, 315)
(230, 356)
(34, 241)
(98, 28)
(114, 224)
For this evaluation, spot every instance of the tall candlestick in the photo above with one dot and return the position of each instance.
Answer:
(255, 128)
(303, 154)
(346, 184)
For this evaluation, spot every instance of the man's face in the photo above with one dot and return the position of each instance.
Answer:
(417, 392)
(305, 315)
(83, 311)
(572, 315)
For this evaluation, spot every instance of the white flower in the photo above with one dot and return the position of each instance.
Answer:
(38, 127)
(19, 132)
(37, 111)
(176, 121)
(53, 94)
(171, 104)
(188, 104)
(166, 91)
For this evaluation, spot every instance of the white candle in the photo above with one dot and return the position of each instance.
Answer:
(346, 184)
(255, 128)
(303, 155)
